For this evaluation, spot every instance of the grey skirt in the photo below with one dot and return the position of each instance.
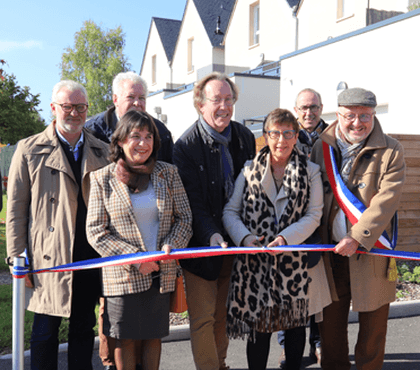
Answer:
(138, 316)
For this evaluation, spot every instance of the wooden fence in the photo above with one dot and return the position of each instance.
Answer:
(409, 209)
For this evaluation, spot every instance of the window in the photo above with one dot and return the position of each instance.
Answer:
(190, 54)
(153, 69)
(345, 8)
(254, 23)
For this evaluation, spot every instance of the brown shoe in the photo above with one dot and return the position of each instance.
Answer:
(315, 355)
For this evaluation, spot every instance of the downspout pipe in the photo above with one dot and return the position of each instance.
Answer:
(296, 27)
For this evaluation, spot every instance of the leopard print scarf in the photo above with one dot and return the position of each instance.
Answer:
(268, 292)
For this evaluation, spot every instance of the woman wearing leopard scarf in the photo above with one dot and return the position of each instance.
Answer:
(277, 201)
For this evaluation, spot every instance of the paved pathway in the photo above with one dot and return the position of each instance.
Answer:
(402, 351)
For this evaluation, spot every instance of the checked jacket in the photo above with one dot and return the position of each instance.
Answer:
(112, 229)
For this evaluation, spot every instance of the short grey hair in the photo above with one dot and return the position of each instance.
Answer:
(132, 76)
(316, 93)
(70, 85)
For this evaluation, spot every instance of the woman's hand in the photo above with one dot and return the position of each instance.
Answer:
(252, 241)
(167, 249)
(277, 242)
(148, 267)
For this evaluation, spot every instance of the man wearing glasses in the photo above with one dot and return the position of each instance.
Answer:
(308, 108)
(129, 93)
(371, 165)
(209, 156)
(46, 215)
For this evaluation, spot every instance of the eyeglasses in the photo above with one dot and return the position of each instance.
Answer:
(351, 117)
(68, 108)
(312, 108)
(275, 135)
(217, 101)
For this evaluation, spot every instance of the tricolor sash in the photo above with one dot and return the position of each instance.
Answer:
(351, 206)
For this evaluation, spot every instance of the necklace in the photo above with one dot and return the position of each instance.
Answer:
(278, 174)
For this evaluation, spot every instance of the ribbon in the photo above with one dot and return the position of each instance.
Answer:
(352, 206)
(126, 259)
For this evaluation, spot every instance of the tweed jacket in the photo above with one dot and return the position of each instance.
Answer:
(41, 212)
(376, 179)
(112, 229)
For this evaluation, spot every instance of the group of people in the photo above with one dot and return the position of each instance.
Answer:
(118, 184)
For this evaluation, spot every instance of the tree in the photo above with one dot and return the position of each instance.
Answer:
(414, 6)
(19, 117)
(96, 58)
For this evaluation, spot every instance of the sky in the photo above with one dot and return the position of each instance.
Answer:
(34, 34)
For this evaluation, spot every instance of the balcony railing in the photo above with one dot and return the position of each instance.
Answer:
(269, 69)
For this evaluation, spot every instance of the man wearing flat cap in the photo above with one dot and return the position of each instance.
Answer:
(371, 166)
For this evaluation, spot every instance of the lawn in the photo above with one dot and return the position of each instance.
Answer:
(6, 301)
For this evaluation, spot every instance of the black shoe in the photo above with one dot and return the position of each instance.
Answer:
(110, 367)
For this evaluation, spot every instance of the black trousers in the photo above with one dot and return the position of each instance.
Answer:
(45, 328)
(294, 344)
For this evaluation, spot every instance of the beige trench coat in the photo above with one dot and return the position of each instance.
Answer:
(41, 212)
(376, 179)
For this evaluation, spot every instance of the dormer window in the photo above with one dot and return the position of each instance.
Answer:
(345, 8)
(190, 54)
(153, 69)
(254, 23)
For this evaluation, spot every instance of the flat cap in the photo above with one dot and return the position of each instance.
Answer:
(357, 96)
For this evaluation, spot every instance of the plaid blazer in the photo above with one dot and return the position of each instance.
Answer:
(112, 229)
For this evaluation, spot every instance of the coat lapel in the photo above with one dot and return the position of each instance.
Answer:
(121, 191)
(159, 186)
(269, 186)
(94, 153)
(123, 204)
(57, 160)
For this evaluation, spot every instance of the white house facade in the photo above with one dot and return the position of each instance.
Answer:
(259, 31)
(380, 58)
(320, 20)
(233, 36)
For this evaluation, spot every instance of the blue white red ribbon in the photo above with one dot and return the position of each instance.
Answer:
(352, 206)
(126, 259)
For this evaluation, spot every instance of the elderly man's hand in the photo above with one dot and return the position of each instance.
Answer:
(347, 247)
(29, 283)
(217, 239)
